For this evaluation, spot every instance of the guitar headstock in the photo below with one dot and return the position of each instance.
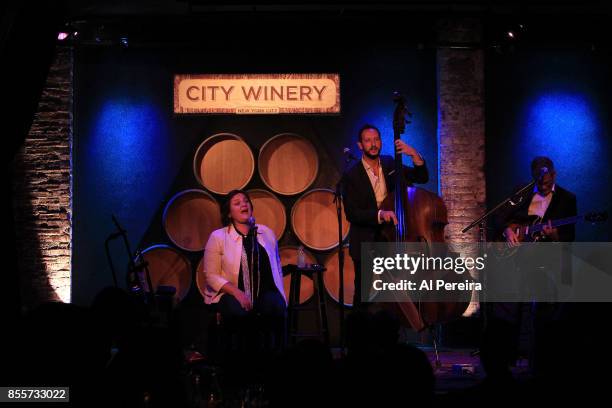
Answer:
(596, 217)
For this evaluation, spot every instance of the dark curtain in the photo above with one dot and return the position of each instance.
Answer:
(28, 34)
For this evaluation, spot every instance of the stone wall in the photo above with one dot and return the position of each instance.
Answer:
(42, 191)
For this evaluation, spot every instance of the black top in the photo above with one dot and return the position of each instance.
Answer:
(360, 201)
(261, 266)
(562, 205)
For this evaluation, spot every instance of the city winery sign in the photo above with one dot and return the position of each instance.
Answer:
(257, 93)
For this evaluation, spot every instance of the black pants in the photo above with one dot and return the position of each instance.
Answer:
(263, 327)
(362, 284)
(357, 303)
(550, 326)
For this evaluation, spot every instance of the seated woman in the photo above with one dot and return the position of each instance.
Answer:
(243, 274)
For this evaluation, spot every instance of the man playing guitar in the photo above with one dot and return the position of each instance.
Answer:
(548, 201)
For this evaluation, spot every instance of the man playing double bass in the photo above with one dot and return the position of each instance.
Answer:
(366, 185)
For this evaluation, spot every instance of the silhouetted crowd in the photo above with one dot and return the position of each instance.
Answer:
(114, 353)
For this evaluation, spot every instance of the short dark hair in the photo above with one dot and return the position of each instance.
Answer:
(365, 127)
(540, 162)
(225, 208)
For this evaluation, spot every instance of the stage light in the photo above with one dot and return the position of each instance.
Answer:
(62, 36)
(511, 35)
(123, 41)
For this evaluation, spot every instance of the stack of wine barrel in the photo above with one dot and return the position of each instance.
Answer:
(288, 165)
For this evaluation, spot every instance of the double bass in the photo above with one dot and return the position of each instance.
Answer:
(421, 217)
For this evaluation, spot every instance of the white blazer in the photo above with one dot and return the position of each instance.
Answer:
(222, 260)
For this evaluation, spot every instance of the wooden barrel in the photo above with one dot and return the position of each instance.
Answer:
(200, 281)
(269, 211)
(331, 277)
(288, 163)
(314, 220)
(288, 256)
(167, 267)
(223, 162)
(189, 218)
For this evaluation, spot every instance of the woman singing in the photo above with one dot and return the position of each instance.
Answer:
(243, 272)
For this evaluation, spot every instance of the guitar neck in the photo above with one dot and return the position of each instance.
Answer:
(555, 223)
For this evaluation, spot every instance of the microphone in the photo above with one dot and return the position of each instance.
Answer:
(348, 155)
(252, 225)
(543, 172)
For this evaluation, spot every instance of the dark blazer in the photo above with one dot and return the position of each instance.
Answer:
(360, 201)
(562, 205)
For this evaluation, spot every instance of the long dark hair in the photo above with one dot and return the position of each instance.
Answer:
(225, 208)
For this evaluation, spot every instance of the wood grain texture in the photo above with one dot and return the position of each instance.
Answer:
(269, 211)
(288, 163)
(190, 217)
(224, 162)
(168, 267)
(314, 220)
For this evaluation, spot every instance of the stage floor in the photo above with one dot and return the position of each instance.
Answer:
(459, 368)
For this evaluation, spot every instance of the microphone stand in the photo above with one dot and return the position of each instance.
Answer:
(482, 222)
(110, 238)
(488, 214)
(254, 256)
(338, 200)
(133, 268)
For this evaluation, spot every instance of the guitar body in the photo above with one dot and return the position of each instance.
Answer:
(531, 231)
(522, 230)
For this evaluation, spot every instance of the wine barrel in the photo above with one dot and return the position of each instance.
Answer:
(167, 267)
(189, 218)
(223, 162)
(315, 222)
(199, 277)
(288, 163)
(331, 277)
(269, 211)
(288, 256)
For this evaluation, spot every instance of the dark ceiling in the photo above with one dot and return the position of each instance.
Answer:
(151, 23)
(91, 8)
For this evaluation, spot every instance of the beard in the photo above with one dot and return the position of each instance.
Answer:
(371, 155)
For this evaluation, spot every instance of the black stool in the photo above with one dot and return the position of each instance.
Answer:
(316, 273)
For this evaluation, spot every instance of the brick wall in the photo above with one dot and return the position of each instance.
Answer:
(461, 131)
(461, 123)
(42, 191)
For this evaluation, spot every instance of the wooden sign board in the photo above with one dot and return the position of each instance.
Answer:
(257, 93)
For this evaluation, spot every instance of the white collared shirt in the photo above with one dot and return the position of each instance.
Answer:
(377, 179)
(539, 203)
